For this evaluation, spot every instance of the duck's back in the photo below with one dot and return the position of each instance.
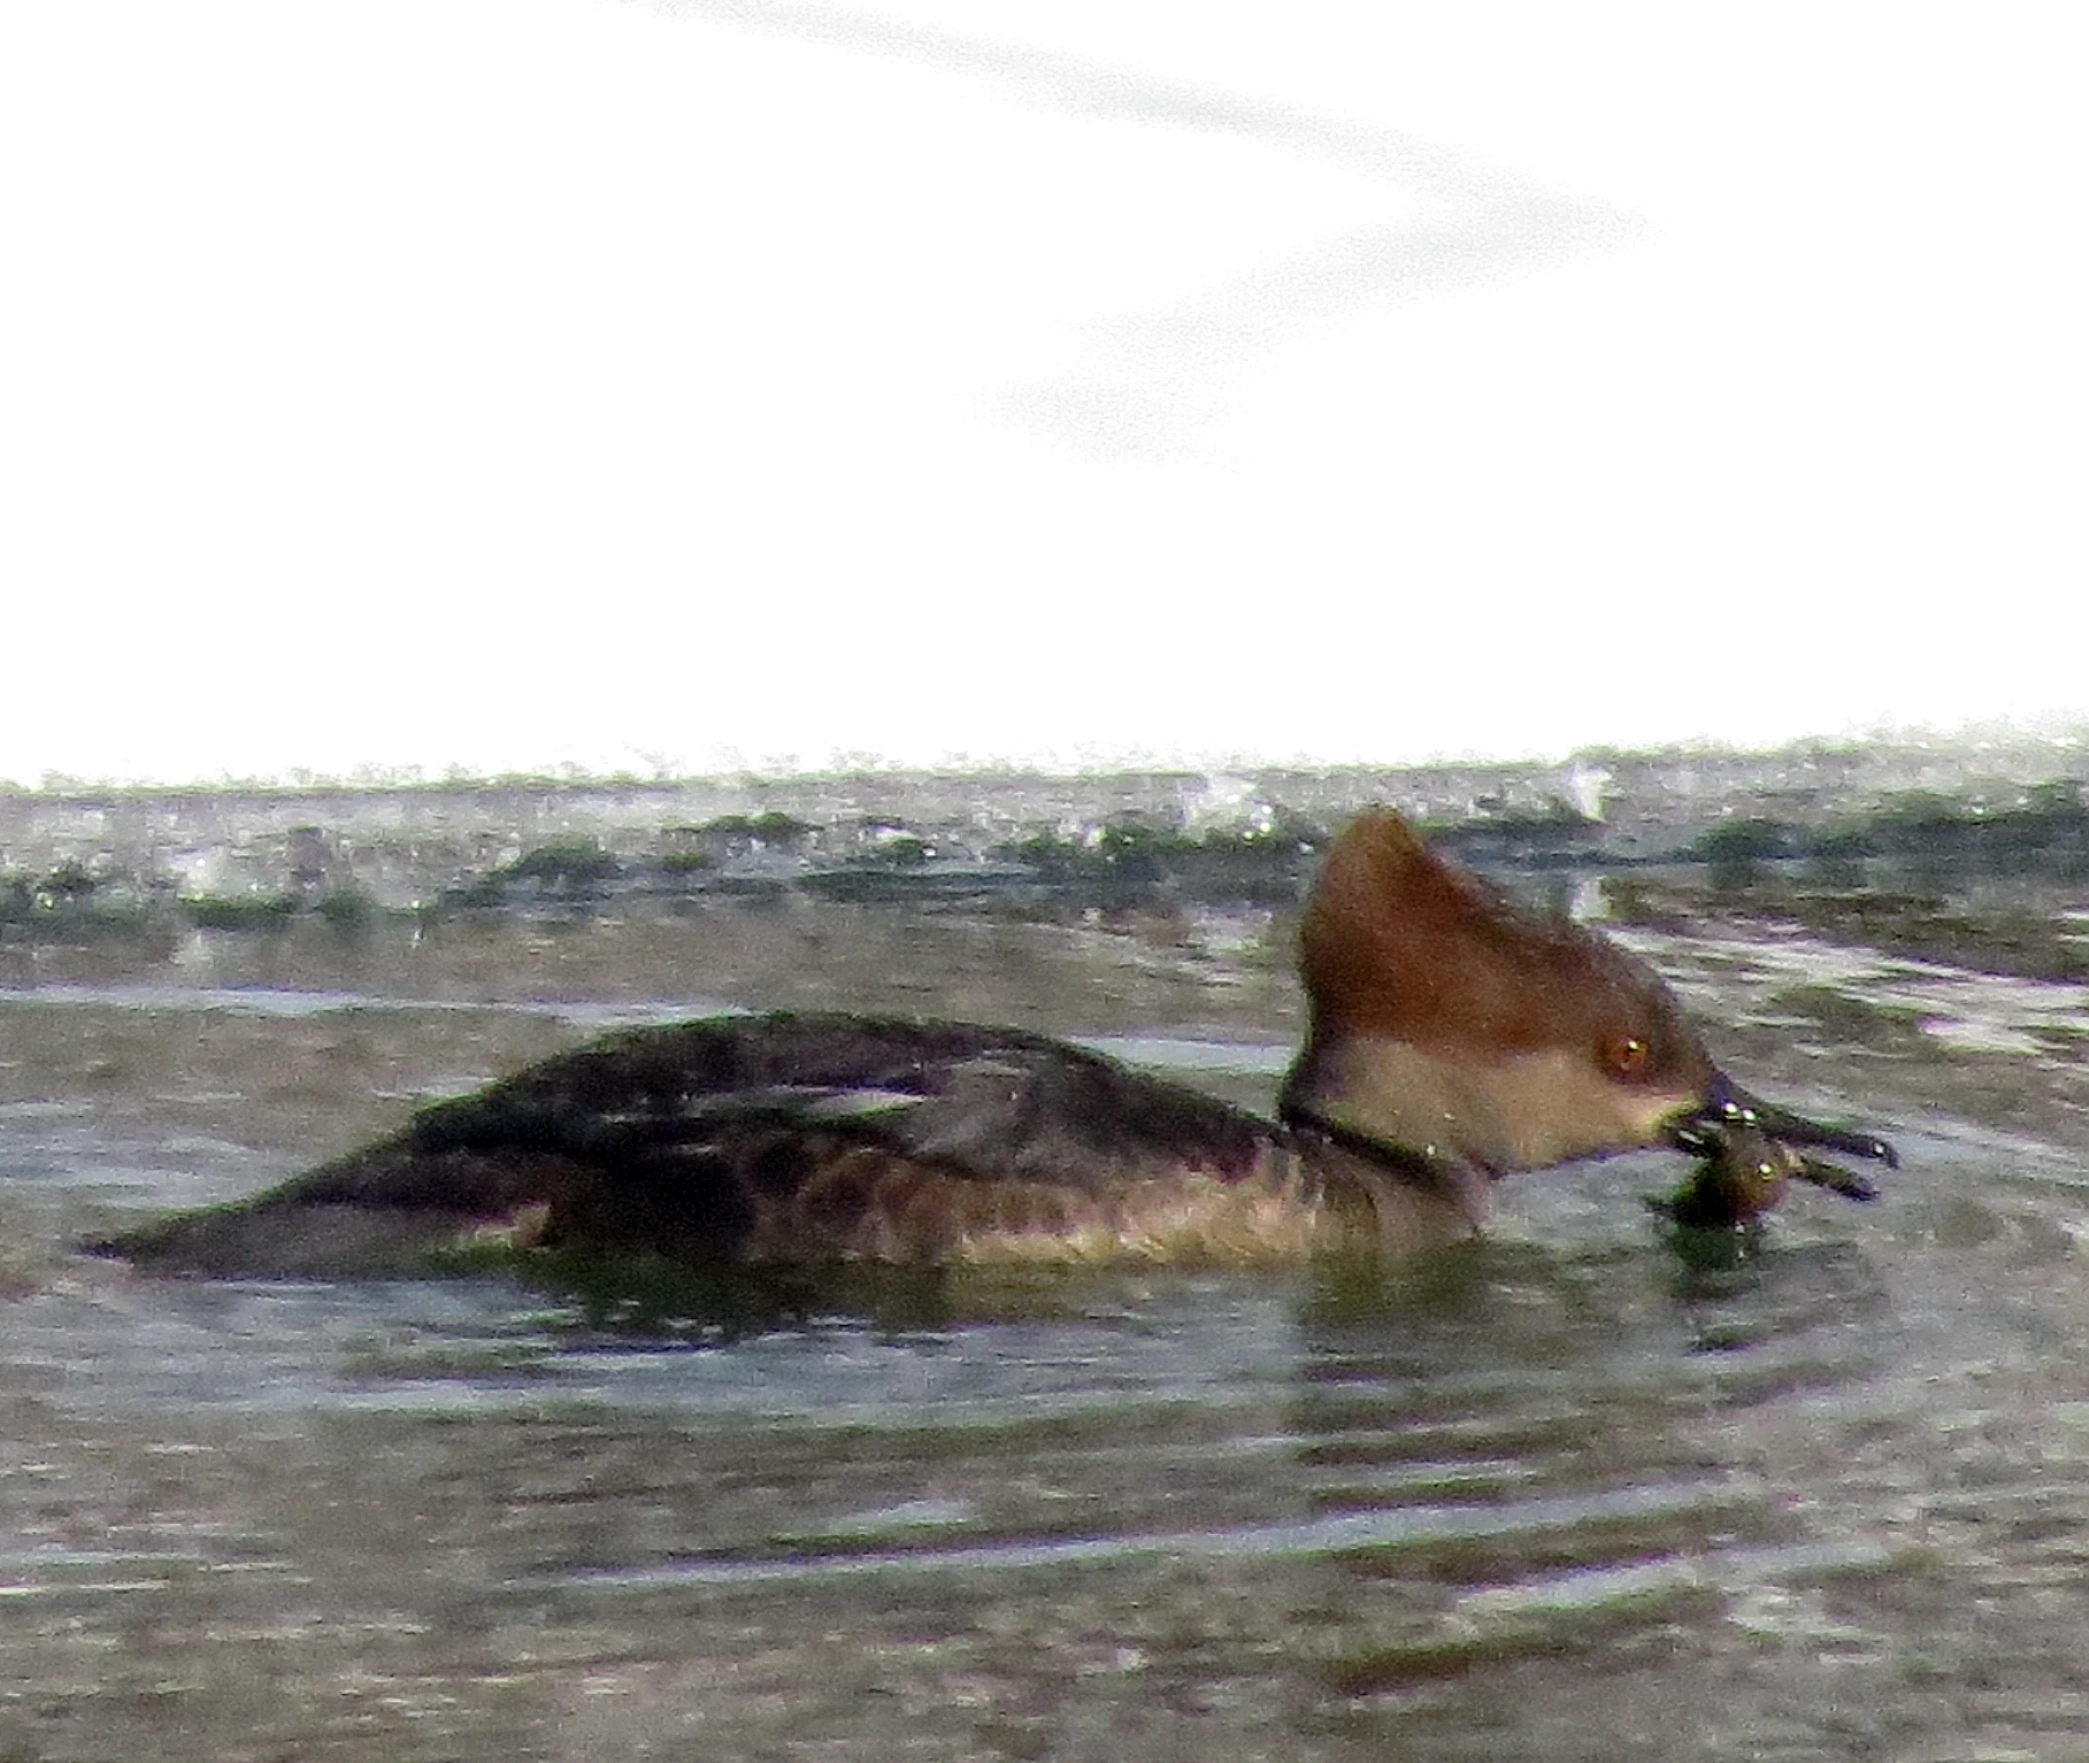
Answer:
(787, 1137)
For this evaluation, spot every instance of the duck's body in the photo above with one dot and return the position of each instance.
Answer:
(828, 1137)
(1453, 1038)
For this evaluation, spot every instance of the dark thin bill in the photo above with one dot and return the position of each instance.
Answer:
(1730, 1105)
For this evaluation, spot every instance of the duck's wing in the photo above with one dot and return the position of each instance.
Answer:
(776, 1137)
(996, 1104)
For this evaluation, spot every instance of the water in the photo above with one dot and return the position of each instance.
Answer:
(1569, 1493)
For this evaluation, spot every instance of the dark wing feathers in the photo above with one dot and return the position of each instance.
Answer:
(999, 1102)
(786, 1135)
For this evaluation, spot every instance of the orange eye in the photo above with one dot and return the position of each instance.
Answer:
(1627, 1055)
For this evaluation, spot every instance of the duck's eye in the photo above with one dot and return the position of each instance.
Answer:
(1627, 1055)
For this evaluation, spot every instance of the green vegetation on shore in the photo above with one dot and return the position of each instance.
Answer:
(1261, 855)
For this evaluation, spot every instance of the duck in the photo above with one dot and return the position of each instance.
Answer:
(1454, 1037)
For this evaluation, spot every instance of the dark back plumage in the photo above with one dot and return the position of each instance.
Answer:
(784, 1137)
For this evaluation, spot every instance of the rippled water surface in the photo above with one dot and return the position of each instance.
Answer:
(1572, 1493)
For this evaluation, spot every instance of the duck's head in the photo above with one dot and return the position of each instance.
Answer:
(1448, 1022)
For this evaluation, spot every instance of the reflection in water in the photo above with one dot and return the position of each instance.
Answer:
(1580, 1491)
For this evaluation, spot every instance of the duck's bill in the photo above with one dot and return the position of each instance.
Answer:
(1729, 1107)
(1748, 1148)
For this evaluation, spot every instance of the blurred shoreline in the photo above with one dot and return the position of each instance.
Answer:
(402, 845)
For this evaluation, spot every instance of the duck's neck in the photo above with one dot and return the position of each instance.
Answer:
(1398, 1179)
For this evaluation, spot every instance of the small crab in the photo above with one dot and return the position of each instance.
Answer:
(1749, 1152)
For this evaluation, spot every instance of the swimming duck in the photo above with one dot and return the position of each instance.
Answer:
(1453, 1037)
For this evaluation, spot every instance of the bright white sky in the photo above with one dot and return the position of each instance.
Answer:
(514, 383)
